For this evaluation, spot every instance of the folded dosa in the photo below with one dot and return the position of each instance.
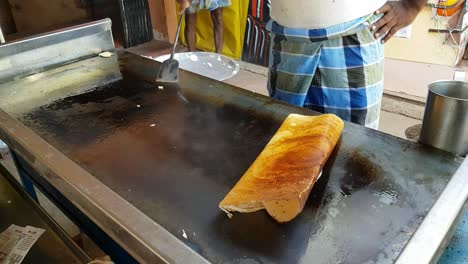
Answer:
(281, 177)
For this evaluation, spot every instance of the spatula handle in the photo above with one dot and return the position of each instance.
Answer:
(177, 36)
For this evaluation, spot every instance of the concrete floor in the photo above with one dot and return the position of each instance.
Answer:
(395, 124)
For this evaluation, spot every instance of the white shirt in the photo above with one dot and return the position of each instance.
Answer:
(312, 14)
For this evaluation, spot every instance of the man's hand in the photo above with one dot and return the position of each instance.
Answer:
(183, 4)
(396, 15)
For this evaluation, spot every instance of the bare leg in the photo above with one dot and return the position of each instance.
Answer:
(218, 29)
(190, 37)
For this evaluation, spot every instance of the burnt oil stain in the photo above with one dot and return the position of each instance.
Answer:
(361, 172)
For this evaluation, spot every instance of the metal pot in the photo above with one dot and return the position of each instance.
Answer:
(445, 123)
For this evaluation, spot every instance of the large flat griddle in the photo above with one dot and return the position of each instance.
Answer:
(175, 161)
(150, 169)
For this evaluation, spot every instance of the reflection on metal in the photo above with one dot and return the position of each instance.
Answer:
(434, 233)
(2, 37)
(35, 54)
(44, 86)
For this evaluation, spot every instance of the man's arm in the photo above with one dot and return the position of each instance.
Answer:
(396, 15)
(183, 4)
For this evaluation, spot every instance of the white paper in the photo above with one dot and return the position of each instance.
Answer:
(8, 240)
(404, 32)
(16, 241)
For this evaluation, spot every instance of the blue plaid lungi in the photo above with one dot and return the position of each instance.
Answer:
(336, 70)
(210, 5)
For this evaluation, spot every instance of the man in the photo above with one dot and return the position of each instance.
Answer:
(328, 55)
(191, 8)
(330, 58)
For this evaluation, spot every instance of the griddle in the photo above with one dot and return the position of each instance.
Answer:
(150, 168)
(175, 161)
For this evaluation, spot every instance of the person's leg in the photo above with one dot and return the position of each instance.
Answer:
(190, 31)
(292, 67)
(218, 29)
(349, 79)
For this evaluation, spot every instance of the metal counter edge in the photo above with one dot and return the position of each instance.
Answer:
(430, 239)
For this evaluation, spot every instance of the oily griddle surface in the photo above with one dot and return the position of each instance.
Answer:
(175, 161)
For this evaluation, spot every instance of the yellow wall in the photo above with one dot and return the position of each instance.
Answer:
(422, 46)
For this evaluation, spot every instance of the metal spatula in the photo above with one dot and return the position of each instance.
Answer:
(169, 69)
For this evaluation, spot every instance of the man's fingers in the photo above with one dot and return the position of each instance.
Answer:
(390, 34)
(384, 9)
(376, 26)
(382, 22)
(381, 31)
(385, 29)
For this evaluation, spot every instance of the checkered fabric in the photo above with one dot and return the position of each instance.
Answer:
(336, 70)
(210, 5)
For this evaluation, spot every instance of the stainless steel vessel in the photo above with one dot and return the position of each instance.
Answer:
(445, 123)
